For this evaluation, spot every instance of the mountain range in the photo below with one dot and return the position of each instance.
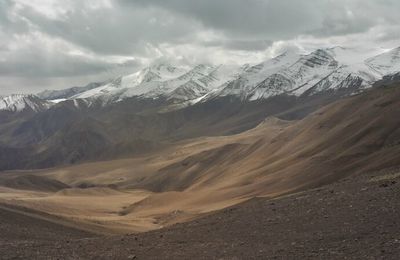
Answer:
(295, 157)
(163, 103)
(290, 73)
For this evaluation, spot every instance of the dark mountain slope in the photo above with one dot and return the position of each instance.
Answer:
(357, 134)
(72, 132)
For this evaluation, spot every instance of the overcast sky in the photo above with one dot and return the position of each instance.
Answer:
(52, 44)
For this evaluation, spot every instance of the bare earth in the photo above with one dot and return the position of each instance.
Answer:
(188, 180)
(230, 194)
(356, 218)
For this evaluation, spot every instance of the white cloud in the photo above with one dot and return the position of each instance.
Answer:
(53, 44)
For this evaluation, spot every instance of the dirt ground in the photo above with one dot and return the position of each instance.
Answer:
(356, 218)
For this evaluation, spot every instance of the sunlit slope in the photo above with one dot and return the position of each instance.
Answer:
(192, 177)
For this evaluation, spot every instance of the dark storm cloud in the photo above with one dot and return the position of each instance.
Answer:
(274, 19)
(278, 19)
(116, 30)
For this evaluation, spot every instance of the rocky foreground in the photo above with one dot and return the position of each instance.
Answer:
(355, 218)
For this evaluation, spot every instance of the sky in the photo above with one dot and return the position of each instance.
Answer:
(54, 44)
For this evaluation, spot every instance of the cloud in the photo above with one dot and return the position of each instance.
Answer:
(112, 30)
(243, 18)
(56, 42)
(281, 19)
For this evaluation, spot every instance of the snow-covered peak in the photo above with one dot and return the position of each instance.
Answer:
(157, 71)
(57, 95)
(255, 74)
(316, 58)
(163, 66)
(161, 70)
(293, 73)
(203, 80)
(349, 56)
(153, 75)
(21, 102)
(290, 73)
(387, 62)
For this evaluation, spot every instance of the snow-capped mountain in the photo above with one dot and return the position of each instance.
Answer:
(386, 63)
(66, 93)
(200, 84)
(291, 73)
(295, 74)
(165, 80)
(20, 102)
(136, 84)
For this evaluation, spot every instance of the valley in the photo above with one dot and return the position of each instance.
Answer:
(101, 166)
(210, 130)
(357, 217)
(194, 177)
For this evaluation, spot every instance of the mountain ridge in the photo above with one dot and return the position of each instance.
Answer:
(113, 120)
(290, 73)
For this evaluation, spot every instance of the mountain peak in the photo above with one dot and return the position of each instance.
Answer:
(319, 57)
(395, 52)
(162, 64)
(387, 62)
(321, 53)
(292, 72)
(21, 102)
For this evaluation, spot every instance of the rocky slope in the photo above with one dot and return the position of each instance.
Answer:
(356, 218)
